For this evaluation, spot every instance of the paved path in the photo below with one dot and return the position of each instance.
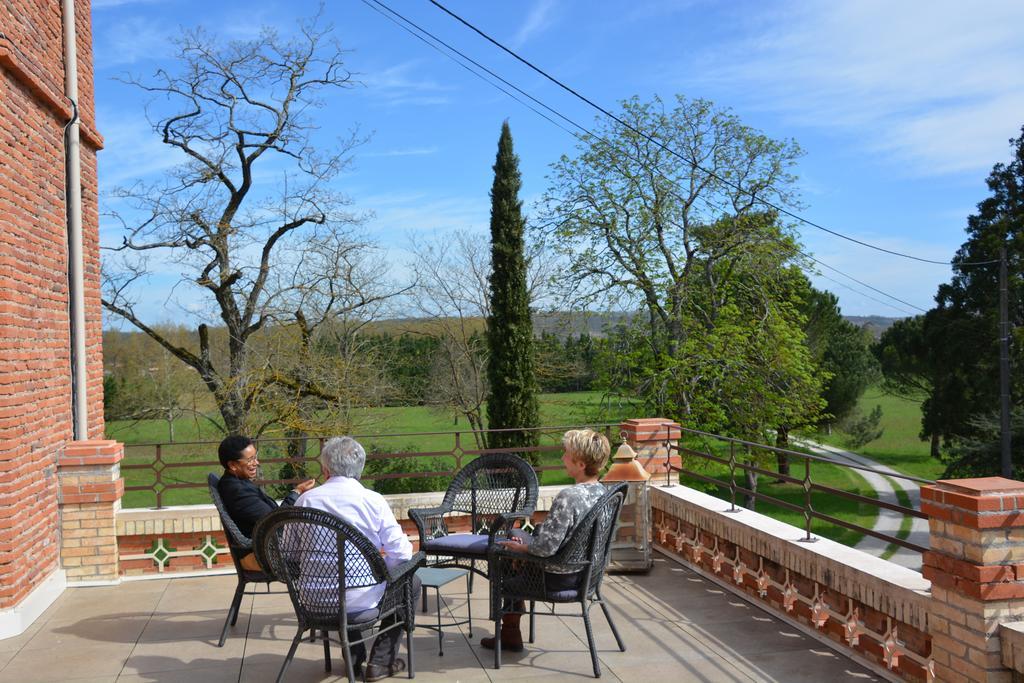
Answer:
(888, 521)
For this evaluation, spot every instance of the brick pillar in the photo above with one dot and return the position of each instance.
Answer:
(649, 437)
(90, 495)
(976, 566)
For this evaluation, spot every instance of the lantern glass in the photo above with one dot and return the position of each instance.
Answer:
(631, 548)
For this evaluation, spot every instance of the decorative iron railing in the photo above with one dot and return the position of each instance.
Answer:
(161, 474)
(746, 461)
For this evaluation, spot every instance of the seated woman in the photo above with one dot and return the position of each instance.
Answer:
(586, 453)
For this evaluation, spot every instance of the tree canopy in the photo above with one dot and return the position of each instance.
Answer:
(661, 214)
(951, 353)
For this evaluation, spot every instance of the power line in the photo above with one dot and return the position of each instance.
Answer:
(866, 296)
(376, 7)
(864, 284)
(725, 181)
(397, 18)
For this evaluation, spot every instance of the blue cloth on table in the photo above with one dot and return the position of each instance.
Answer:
(466, 544)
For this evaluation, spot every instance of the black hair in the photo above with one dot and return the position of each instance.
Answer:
(231, 449)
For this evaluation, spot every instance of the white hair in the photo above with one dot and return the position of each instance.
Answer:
(343, 456)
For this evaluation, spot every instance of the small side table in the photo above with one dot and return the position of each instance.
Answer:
(436, 578)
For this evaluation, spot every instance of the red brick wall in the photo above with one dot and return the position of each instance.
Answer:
(35, 389)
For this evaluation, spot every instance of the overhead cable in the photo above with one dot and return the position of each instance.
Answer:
(419, 32)
(725, 181)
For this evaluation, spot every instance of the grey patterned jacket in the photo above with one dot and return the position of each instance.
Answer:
(567, 509)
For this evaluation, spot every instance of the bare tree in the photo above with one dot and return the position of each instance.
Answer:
(252, 196)
(451, 275)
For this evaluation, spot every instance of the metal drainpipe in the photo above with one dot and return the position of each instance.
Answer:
(76, 261)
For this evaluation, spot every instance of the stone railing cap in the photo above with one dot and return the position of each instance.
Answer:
(981, 486)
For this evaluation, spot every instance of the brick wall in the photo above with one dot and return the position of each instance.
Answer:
(35, 391)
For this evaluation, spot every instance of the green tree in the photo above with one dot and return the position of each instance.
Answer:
(658, 215)
(842, 349)
(950, 354)
(512, 402)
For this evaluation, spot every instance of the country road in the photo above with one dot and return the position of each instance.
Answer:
(888, 521)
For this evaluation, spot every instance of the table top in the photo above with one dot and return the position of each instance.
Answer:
(434, 577)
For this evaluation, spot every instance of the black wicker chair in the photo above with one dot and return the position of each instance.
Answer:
(318, 556)
(240, 546)
(495, 490)
(518, 576)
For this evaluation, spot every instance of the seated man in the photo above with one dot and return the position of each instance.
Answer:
(245, 502)
(342, 460)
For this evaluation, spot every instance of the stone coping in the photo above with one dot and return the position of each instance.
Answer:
(192, 518)
(1011, 635)
(886, 586)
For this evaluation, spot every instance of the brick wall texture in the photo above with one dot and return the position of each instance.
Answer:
(35, 384)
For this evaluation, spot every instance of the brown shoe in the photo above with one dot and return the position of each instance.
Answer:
(511, 636)
(378, 672)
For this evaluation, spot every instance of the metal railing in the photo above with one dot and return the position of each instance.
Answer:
(745, 462)
(155, 473)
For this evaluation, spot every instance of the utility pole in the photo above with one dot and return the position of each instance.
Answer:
(1004, 367)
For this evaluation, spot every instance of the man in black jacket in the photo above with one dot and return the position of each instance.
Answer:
(246, 503)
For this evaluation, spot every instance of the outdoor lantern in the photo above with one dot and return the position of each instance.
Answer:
(631, 548)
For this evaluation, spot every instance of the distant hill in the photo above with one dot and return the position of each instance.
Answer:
(877, 324)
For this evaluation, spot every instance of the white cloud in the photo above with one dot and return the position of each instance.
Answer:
(401, 85)
(106, 4)
(537, 21)
(141, 36)
(400, 214)
(407, 152)
(130, 41)
(133, 151)
(914, 282)
(938, 86)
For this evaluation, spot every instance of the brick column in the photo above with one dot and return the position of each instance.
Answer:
(90, 495)
(976, 566)
(648, 437)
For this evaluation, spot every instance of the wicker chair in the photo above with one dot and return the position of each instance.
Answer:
(519, 576)
(318, 555)
(495, 490)
(240, 546)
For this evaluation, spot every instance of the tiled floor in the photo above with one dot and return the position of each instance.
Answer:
(677, 627)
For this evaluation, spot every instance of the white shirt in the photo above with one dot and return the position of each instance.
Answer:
(368, 512)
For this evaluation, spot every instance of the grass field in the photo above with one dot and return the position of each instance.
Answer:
(899, 446)
(186, 462)
(862, 514)
(429, 433)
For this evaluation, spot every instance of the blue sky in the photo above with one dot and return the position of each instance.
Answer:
(902, 108)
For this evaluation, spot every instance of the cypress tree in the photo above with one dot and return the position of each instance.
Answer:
(512, 401)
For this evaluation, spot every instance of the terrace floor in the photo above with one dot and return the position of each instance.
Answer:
(677, 626)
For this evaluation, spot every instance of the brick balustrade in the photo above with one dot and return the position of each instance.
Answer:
(89, 495)
(189, 538)
(976, 566)
(870, 609)
(649, 438)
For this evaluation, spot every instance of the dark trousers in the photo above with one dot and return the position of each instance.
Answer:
(385, 646)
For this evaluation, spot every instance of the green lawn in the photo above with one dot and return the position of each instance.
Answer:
(382, 430)
(862, 514)
(429, 433)
(899, 446)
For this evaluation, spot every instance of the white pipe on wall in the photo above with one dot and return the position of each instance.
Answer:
(76, 260)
